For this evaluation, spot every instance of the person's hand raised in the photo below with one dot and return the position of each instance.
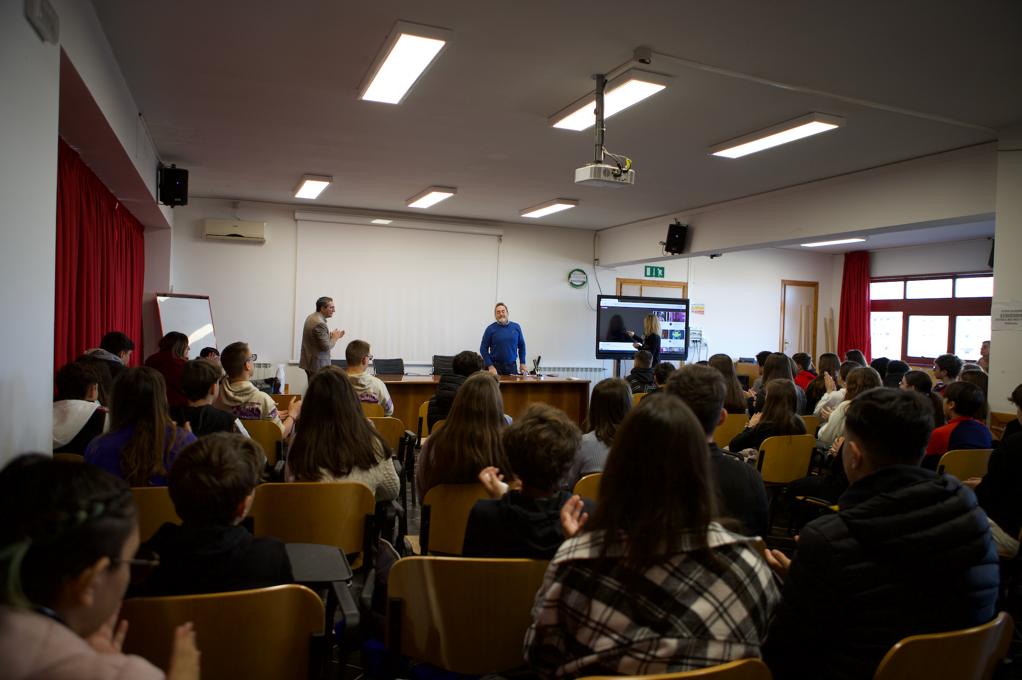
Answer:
(184, 657)
(754, 420)
(492, 481)
(336, 334)
(828, 382)
(573, 516)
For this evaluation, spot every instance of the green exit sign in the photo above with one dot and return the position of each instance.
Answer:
(654, 272)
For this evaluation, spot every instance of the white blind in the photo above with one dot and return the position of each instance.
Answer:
(409, 293)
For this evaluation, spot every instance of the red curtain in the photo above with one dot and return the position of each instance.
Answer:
(853, 327)
(100, 263)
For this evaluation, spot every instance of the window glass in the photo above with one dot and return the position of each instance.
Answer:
(885, 334)
(975, 286)
(927, 288)
(886, 290)
(927, 335)
(970, 332)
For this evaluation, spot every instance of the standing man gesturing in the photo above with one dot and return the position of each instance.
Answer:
(503, 344)
(317, 339)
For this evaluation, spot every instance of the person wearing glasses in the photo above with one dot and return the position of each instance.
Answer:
(317, 338)
(369, 388)
(240, 397)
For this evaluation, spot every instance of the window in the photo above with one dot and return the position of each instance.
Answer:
(916, 319)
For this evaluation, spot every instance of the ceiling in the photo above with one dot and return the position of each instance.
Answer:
(250, 96)
(902, 238)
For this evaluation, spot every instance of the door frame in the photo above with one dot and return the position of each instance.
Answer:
(815, 285)
(653, 283)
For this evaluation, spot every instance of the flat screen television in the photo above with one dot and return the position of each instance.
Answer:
(618, 314)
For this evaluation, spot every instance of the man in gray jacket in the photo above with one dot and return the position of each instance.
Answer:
(317, 339)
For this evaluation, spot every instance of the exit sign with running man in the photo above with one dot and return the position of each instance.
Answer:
(654, 272)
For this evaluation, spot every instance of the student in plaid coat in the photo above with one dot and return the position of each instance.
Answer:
(652, 584)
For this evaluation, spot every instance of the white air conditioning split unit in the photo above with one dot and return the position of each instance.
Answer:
(238, 231)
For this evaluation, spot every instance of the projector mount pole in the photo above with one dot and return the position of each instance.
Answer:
(601, 83)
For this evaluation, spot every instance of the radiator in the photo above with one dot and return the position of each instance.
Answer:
(591, 373)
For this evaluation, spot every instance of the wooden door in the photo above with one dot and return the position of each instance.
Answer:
(799, 308)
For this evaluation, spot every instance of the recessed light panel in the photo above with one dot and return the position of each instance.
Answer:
(775, 135)
(838, 242)
(630, 88)
(381, 221)
(430, 197)
(311, 186)
(549, 208)
(405, 55)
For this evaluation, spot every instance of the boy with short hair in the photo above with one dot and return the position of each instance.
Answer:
(240, 397)
(641, 377)
(369, 388)
(200, 380)
(661, 372)
(77, 415)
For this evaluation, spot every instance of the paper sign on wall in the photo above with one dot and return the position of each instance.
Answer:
(1006, 315)
(698, 309)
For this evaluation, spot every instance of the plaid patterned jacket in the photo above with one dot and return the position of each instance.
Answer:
(691, 611)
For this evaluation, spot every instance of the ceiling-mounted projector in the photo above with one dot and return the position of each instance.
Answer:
(604, 175)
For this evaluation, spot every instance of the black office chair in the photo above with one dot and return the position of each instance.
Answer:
(339, 363)
(443, 365)
(389, 366)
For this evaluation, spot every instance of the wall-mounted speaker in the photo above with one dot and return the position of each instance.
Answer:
(677, 233)
(172, 185)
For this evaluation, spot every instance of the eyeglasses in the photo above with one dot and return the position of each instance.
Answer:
(136, 562)
(370, 357)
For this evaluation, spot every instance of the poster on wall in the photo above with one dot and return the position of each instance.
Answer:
(1006, 315)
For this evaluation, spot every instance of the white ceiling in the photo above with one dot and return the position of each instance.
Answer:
(251, 95)
(882, 240)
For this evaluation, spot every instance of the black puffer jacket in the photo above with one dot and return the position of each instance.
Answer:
(440, 404)
(909, 553)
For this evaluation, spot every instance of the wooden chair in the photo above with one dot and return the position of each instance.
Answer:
(330, 513)
(268, 435)
(372, 410)
(394, 433)
(283, 401)
(998, 421)
(785, 458)
(463, 615)
(744, 669)
(729, 429)
(251, 634)
(589, 486)
(967, 654)
(154, 509)
(69, 457)
(445, 511)
(965, 463)
(812, 424)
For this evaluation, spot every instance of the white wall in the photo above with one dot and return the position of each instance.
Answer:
(937, 258)
(29, 81)
(1006, 343)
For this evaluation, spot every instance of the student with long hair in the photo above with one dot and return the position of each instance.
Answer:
(829, 364)
(835, 387)
(778, 417)
(735, 400)
(778, 367)
(143, 440)
(469, 439)
(697, 594)
(859, 380)
(336, 443)
(610, 403)
(856, 356)
(650, 337)
(170, 361)
(67, 546)
(920, 382)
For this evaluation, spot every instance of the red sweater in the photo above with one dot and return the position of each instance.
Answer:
(959, 433)
(171, 367)
(804, 378)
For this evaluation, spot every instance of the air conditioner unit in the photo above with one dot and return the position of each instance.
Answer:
(235, 230)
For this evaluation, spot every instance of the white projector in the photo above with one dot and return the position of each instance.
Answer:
(604, 175)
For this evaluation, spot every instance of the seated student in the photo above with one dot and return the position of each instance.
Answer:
(370, 389)
(641, 378)
(835, 390)
(464, 364)
(778, 367)
(200, 381)
(972, 373)
(778, 417)
(212, 485)
(908, 553)
(896, 370)
(650, 583)
(736, 400)
(104, 382)
(761, 358)
(806, 374)
(880, 365)
(920, 382)
(526, 522)
(78, 418)
(997, 493)
(741, 494)
(239, 397)
(608, 406)
(67, 545)
(859, 380)
(946, 369)
(829, 365)
(661, 372)
(115, 350)
(211, 354)
(469, 440)
(170, 361)
(143, 441)
(336, 442)
(856, 356)
(984, 356)
(964, 404)
(1015, 426)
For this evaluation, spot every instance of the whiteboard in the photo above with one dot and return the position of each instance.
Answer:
(410, 293)
(188, 314)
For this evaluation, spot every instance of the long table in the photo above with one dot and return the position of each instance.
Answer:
(571, 396)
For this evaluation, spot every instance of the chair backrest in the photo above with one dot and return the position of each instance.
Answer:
(422, 428)
(589, 486)
(812, 423)
(283, 400)
(372, 409)
(154, 509)
(464, 615)
(443, 365)
(392, 430)
(732, 425)
(330, 513)
(637, 397)
(998, 421)
(785, 458)
(251, 634)
(437, 425)
(967, 654)
(268, 435)
(389, 366)
(69, 457)
(744, 669)
(965, 463)
(747, 369)
(445, 512)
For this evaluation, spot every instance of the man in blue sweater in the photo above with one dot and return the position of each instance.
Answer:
(503, 344)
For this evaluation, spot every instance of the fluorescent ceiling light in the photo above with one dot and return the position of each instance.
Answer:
(312, 186)
(838, 242)
(549, 208)
(380, 221)
(431, 197)
(629, 88)
(407, 52)
(775, 135)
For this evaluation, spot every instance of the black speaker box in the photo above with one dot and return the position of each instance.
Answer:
(676, 235)
(173, 186)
